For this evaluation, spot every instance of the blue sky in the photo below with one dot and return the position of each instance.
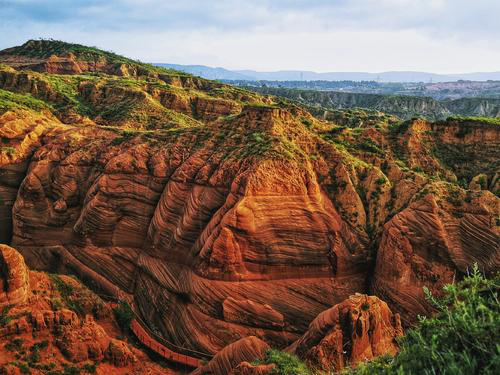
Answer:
(442, 36)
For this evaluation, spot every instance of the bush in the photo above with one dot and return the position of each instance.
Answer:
(124, 315)
(286, 364)
(91, 368)
(4, 316)
(461, 338)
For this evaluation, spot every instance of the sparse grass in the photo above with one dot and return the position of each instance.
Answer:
(4, 316)
(45, 48)
(473, 119)
(369, 145)
(68, 295)
(11, 101)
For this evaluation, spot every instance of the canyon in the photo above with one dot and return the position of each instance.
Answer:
(233, 222)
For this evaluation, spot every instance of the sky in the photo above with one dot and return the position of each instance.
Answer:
(440, 36)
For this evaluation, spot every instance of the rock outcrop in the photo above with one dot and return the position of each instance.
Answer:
(424, 245)
(14, 279)
(360, 328)
(59, 322)
(229, 360)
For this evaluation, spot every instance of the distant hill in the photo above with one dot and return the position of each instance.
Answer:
(405, 107)
(208, 72)
(393, 76)
(304, 75)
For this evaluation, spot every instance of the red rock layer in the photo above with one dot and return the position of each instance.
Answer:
(360, 328)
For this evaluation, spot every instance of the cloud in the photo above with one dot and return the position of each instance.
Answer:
(309, 34)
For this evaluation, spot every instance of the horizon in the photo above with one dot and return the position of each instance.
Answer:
(436, 36)
(323, 72)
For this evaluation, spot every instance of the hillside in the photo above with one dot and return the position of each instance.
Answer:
(405, 107)
(232, 220)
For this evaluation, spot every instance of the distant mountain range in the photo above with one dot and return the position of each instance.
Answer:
(301, 75)
(208, 72)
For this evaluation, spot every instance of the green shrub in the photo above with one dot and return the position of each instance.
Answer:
(90, 368)
(461, 338)
(124, 315)
(369, 145)
(286, 364)
(68, 294)
(4, 316)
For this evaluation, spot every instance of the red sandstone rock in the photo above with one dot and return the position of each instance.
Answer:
(245, 368)
(243, 225)
(247, 349)
(14, 279)
(358, 329)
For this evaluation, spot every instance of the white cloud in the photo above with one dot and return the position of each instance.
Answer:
(443, 36)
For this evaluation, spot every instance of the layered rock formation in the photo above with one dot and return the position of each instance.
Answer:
(53, 323)
(229, 360)
(14, 283)
(358, 329)
(223, 214)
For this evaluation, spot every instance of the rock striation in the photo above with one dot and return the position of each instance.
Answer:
(225, 215)
(14, 279)
(50, 321)
(358, 329)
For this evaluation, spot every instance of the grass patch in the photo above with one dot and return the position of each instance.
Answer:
(68, 294)
(11, 101)
(473, 119)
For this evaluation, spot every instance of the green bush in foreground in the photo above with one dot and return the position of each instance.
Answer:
(286, 364)
(462, 338)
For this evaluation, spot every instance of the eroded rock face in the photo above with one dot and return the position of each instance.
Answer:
(224, 215)
(14, 278)
(86, 334)
(425, 245)
(358, 329)
(212, 249)
(229, 360)
(246, 368)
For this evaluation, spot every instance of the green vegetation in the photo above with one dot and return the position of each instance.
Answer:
(369, 145)
(126, 135)
(124, 315)
(474, 119)
(15, 345)
(44, 48)
(11, 101)
(4, 316)
(68, 295)
(461, 338)
(286, 364)
(77, 298)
